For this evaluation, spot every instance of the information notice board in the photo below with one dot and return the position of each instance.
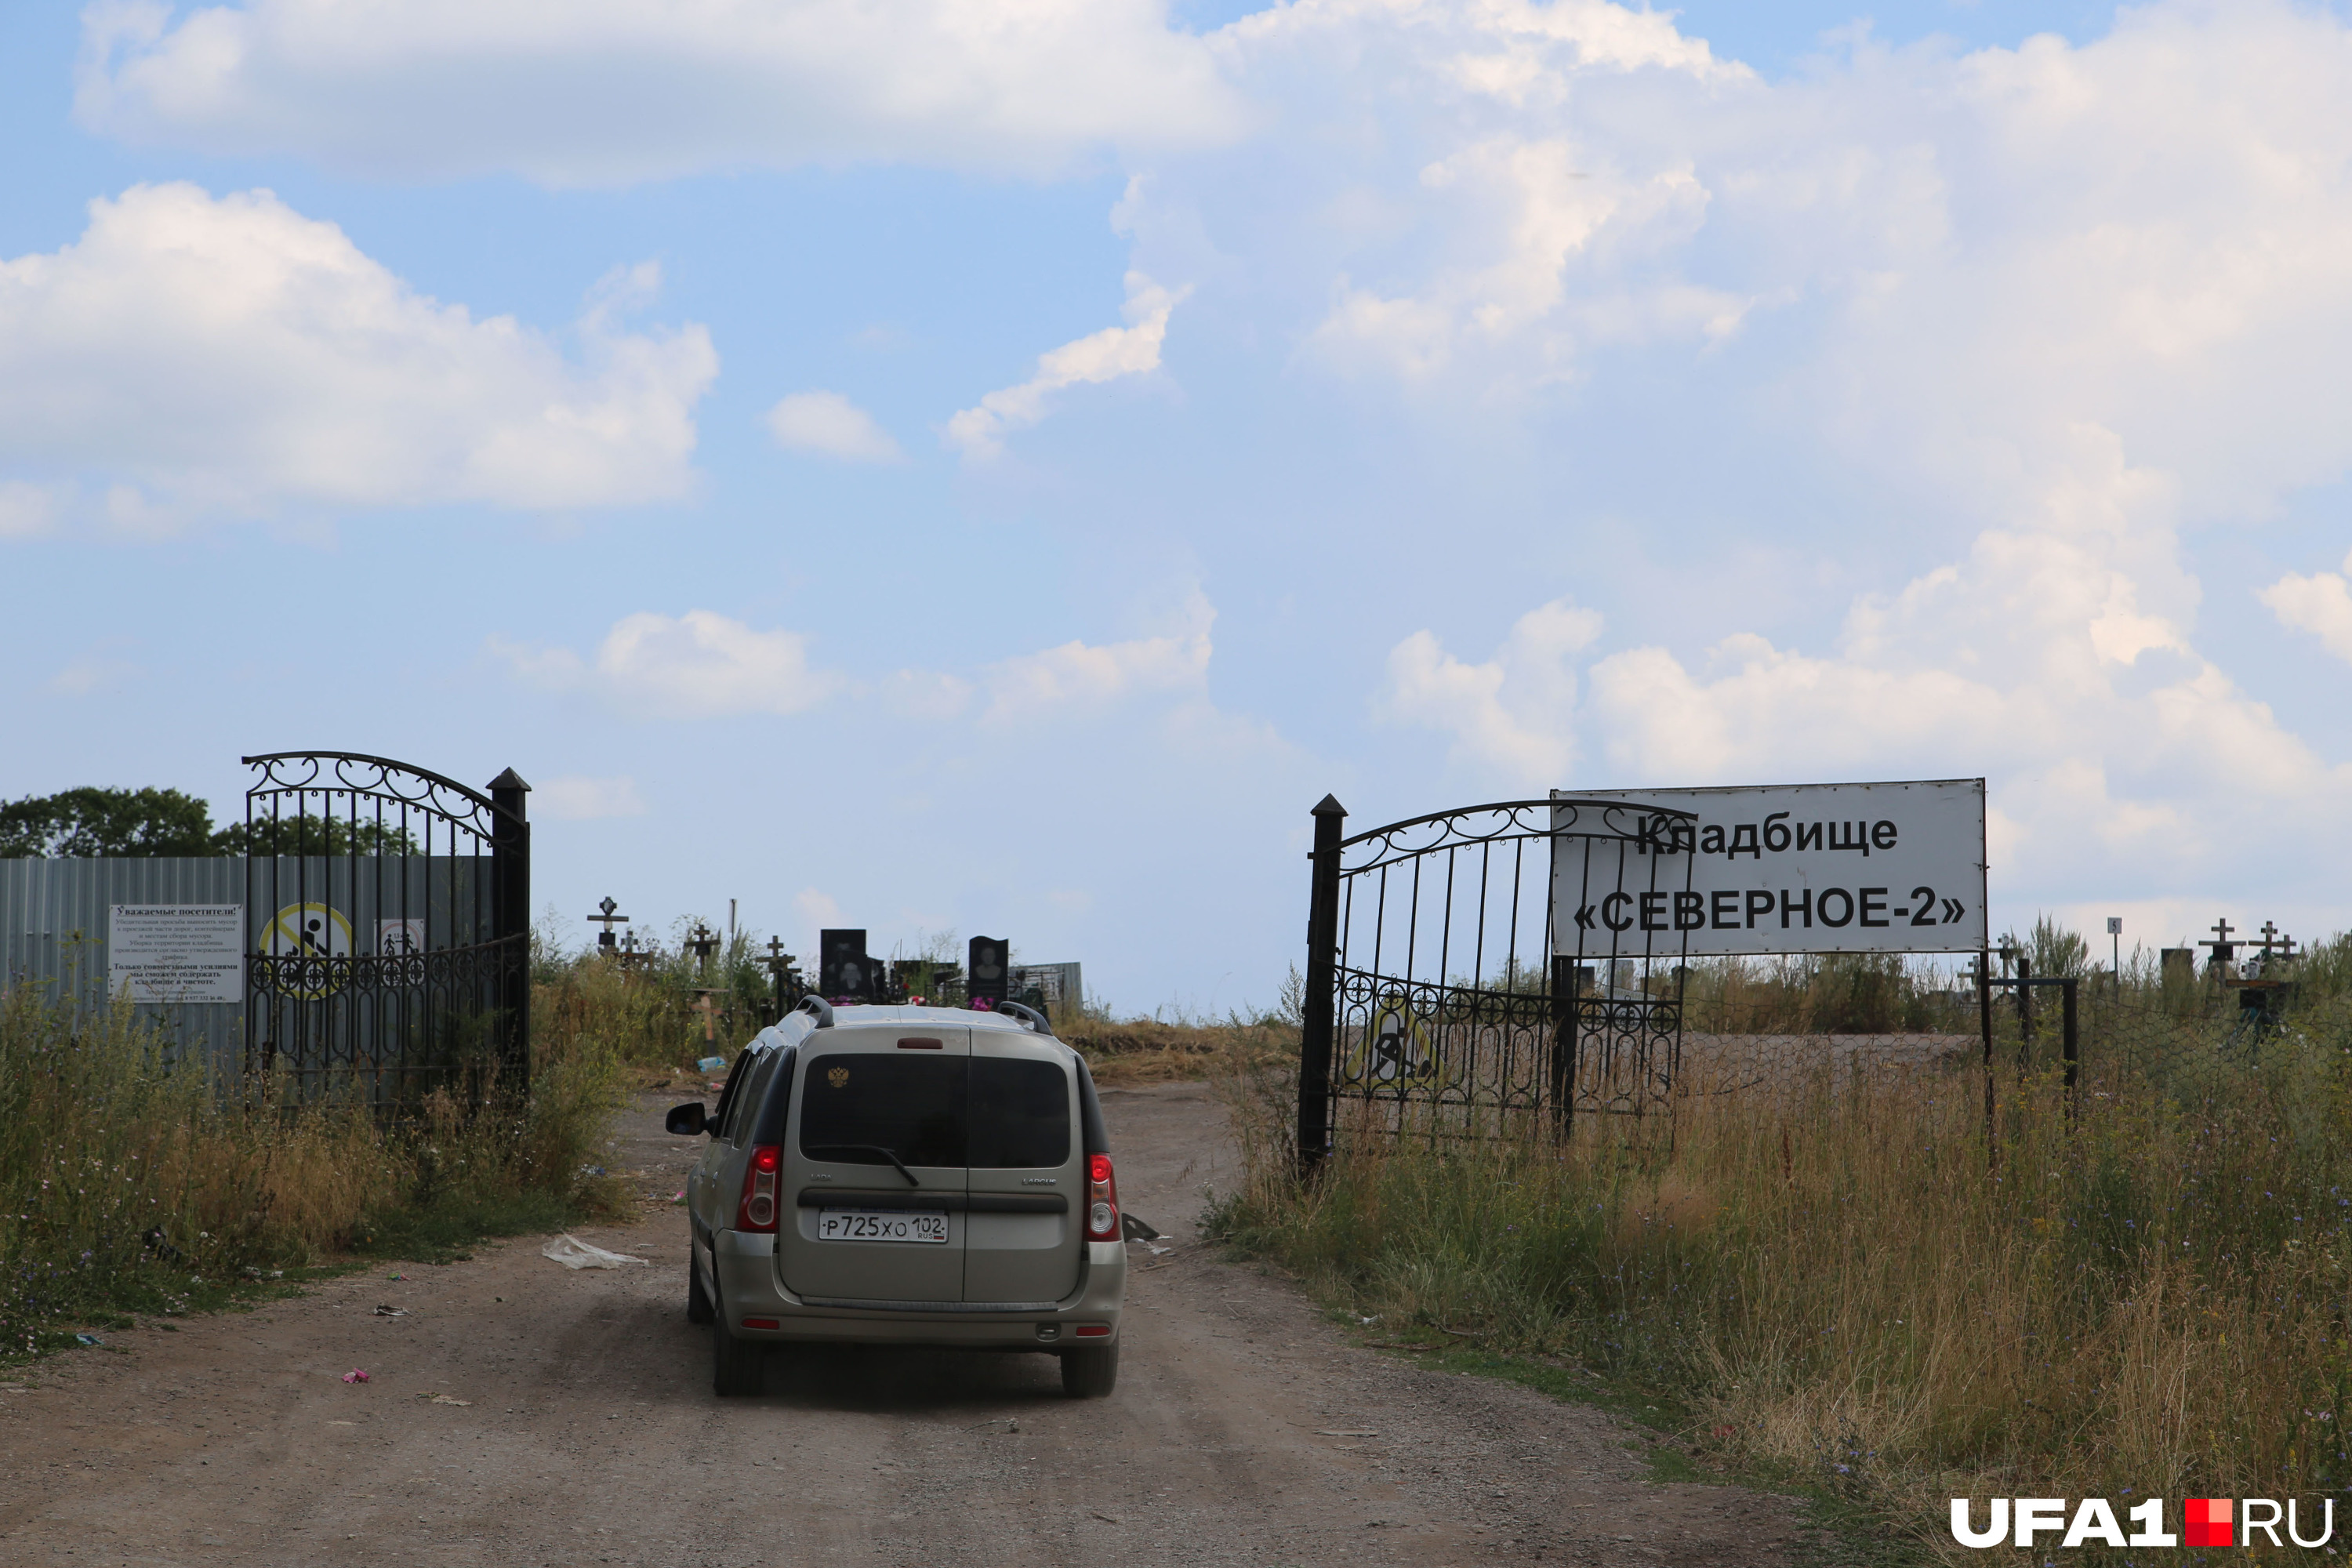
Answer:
(176, 952)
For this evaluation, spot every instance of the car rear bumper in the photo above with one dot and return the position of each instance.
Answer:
(748, 1287)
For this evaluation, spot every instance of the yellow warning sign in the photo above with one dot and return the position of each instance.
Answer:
(308, 931)
(1394, 1051)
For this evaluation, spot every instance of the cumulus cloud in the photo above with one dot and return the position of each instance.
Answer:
(829, 424)
(575, 797)
(2320, 604)
(191, 355)
(1106, 355)
(700, 665)
(703, 664)
(2035, 658)
(602, 92)
(2050, 310)
(1080, 674)
(1513, 716)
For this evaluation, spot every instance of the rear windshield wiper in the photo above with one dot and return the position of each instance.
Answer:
(863, 1149)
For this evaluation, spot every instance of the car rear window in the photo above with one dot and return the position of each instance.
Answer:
(911, 1105)
(1020, 1114)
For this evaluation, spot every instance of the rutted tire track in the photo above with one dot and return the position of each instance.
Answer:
(591, 1435)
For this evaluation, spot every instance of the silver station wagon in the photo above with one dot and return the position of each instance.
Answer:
(905, 1177)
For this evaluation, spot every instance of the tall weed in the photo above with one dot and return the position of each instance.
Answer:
(134, 1180)
(1853, 1276)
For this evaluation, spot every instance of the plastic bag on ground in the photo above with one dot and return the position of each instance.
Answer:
(574, 1253)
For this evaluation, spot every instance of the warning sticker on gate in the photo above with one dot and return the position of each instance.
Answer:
(399, 939)
(1855, 868)
(309, 931)
(1394, 1051)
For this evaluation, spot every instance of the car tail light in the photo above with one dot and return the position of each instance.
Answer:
(758, 1209)
(1102, 1200)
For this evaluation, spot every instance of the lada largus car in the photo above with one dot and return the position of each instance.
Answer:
(905, 1177)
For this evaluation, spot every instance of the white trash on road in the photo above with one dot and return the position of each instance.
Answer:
(574, 1253)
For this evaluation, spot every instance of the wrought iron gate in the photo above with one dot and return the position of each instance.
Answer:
(389, 912)
(1440, 998)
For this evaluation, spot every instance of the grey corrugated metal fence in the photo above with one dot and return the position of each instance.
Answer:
(54, 931)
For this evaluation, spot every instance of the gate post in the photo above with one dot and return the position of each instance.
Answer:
(1566, 991)
(2070, 1038)
(510, 920)
(1984, 1010)
(1317, 1021)
(2025, 1011)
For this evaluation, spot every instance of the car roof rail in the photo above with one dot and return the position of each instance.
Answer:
(820, 1007)
(1036, 1019)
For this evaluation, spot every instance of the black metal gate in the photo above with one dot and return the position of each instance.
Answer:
(1440, 998)
(390, 917)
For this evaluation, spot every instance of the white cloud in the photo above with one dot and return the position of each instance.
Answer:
(192, 356)
(2032, 661)
(96, 669)
(830, 424)
(925, 695)
(818, 911)
(2320, 604)
(1512, 716)
(578, 798)
(1081, 675)
(598, 91)
(27, 512)
(2043, 312)
(700, 665)
(1106, 355)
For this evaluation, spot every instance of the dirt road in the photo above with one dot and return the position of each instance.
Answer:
(1245, 1429)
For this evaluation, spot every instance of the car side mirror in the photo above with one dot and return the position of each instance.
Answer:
(686, 1120)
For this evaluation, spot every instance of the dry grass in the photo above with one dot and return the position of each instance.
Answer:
(132, 1182)
(1148, 1051)
(1848, 1281)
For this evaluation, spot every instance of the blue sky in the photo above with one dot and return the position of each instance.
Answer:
(993, 468)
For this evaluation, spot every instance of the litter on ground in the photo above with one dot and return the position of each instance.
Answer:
(574, 1253)
(356, 1376)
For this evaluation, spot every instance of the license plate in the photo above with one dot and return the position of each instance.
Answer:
(866, 1224)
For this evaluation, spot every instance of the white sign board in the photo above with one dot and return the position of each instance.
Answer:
(177, 952)
(1856, 868)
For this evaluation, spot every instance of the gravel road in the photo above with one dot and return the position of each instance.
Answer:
(521, 1413)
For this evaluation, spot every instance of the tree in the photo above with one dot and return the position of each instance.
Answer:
(312, 836)
(87, 823)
